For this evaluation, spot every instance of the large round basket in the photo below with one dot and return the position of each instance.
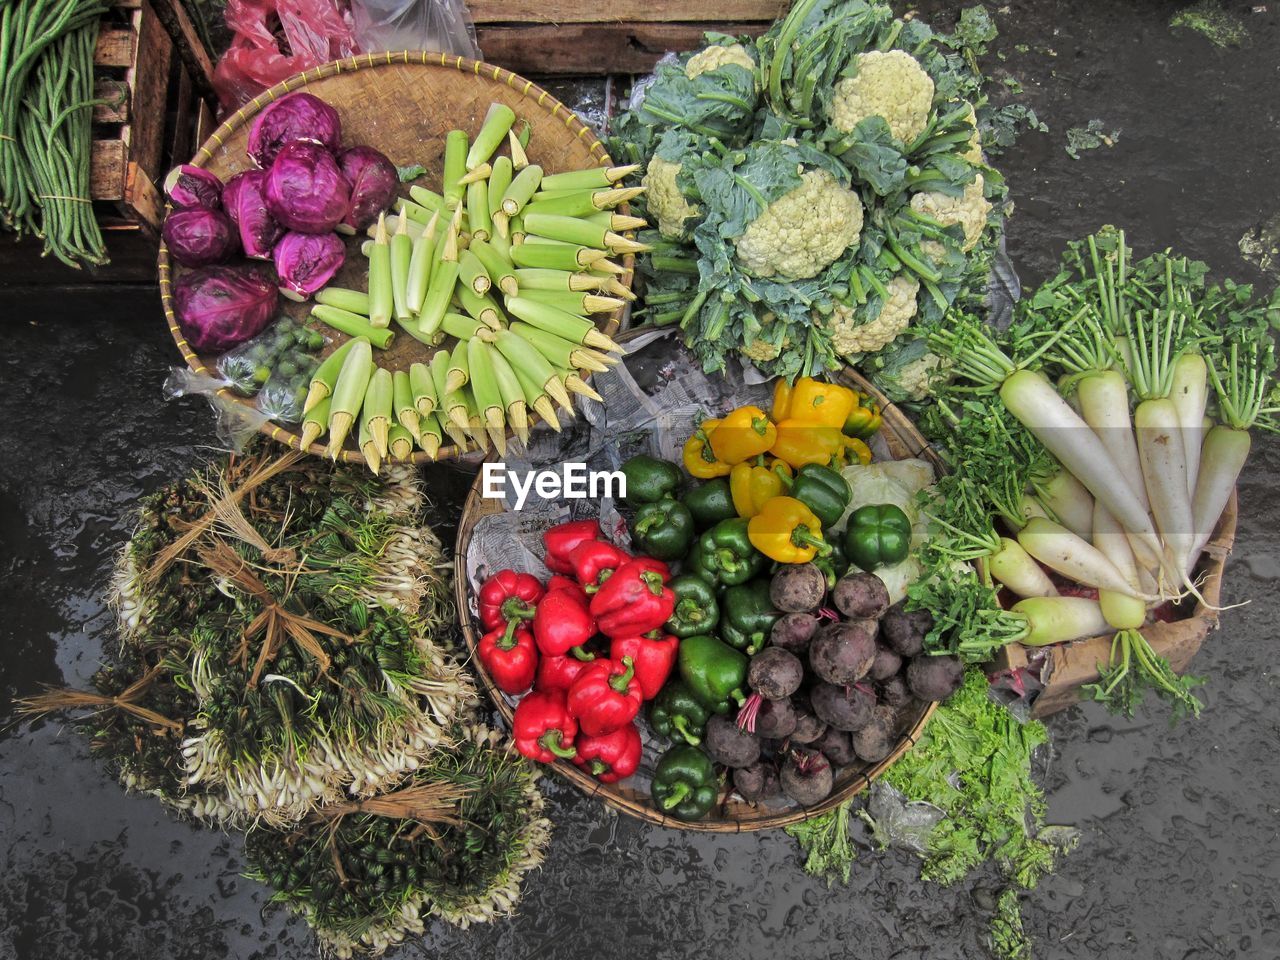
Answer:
(730, 815)
(403, 104)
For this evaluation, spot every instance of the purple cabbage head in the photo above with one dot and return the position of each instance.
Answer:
(189, 186)
(244, 199)
(220, 307)
(305, 262)
(299, 116)
(306, 190)
(373, 180)
(197, 237)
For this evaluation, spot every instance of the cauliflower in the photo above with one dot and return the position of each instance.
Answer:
(891, 85)
(804, 231)
(970, 211)
(715, 57)
(914, 379)
(850, 337)
(760, 350)
(667, 204)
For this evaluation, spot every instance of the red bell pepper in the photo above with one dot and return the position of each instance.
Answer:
(559, 582)
(654, 655)
(510, 658)
(543, 728)
(561, 623)
(594, 562)
(612, 757)
(556, 674)
(507, 598)
(633, 601)
(605, 696)
(559, 541)
(657, 566)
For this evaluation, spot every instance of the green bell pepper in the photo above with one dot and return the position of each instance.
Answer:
(710, 502)
(663, 530)
(677, 715)
(728, 554)
(878, 535)
(748, 616)
(650, 479)
(833, 565)
(714, 671)
(696, 610)
(822, 490)
(685, 783)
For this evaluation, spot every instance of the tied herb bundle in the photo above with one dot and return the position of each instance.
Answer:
(46, 106)
(454, 840)
(282, 625)
(819, 190)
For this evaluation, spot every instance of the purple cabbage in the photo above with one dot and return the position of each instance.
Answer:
(373, 180)
(197, 237)
(189, 186)
(220, 307)
(299, 116)
(305, 262)
(306, 190)
(246, 204)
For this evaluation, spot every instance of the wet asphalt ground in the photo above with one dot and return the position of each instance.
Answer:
(1179, 858)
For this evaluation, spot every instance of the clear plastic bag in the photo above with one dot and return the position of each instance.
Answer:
(441, 26)
(285, 393)
(237, 423)
(274, 39)
(282, 347)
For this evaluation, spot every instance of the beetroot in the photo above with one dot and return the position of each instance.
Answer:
(894, 692)
(806, 777)
(794, 631)
(836, 747)
(808, 727)
(861, 596)
(877, 739)
(775, 720)
(725, 743)
(775, 673)
(842, 653)
(845, 708)
(798, 588)
(756, 782)
(905, 631)
(886, 664)
(934, 678)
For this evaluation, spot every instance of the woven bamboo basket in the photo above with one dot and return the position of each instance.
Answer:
(402, 103)
(730, 815)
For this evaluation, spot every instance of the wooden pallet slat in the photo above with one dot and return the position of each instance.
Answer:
(595, 48)
(725, 12)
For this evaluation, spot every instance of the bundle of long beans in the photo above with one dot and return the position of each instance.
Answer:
(46, 105)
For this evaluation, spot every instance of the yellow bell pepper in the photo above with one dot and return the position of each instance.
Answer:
(826, 404)
(865, 418)
(698, 458)
(781, 400)
(787, 531)
(799, 442)
(754, 484)
(855, 450)
(741, 435)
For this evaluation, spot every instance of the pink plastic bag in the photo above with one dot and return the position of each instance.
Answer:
(274, 39)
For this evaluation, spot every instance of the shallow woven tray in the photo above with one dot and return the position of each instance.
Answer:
(729, 815)
(403, 104)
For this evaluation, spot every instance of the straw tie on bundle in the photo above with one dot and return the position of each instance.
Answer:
(274, 621)
(67, 699)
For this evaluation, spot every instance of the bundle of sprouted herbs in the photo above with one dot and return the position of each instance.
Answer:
(280, 622)
(454, 840)
(1106, 431)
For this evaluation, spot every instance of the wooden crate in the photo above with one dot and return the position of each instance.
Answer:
(569, 37)
(155, 117)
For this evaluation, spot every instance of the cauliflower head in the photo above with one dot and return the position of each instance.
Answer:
(717, 56)
(970, 211)
(804, 231)
(760, 350)
(915, 377)
(850, 337)
(889, 84)
(667, 204)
